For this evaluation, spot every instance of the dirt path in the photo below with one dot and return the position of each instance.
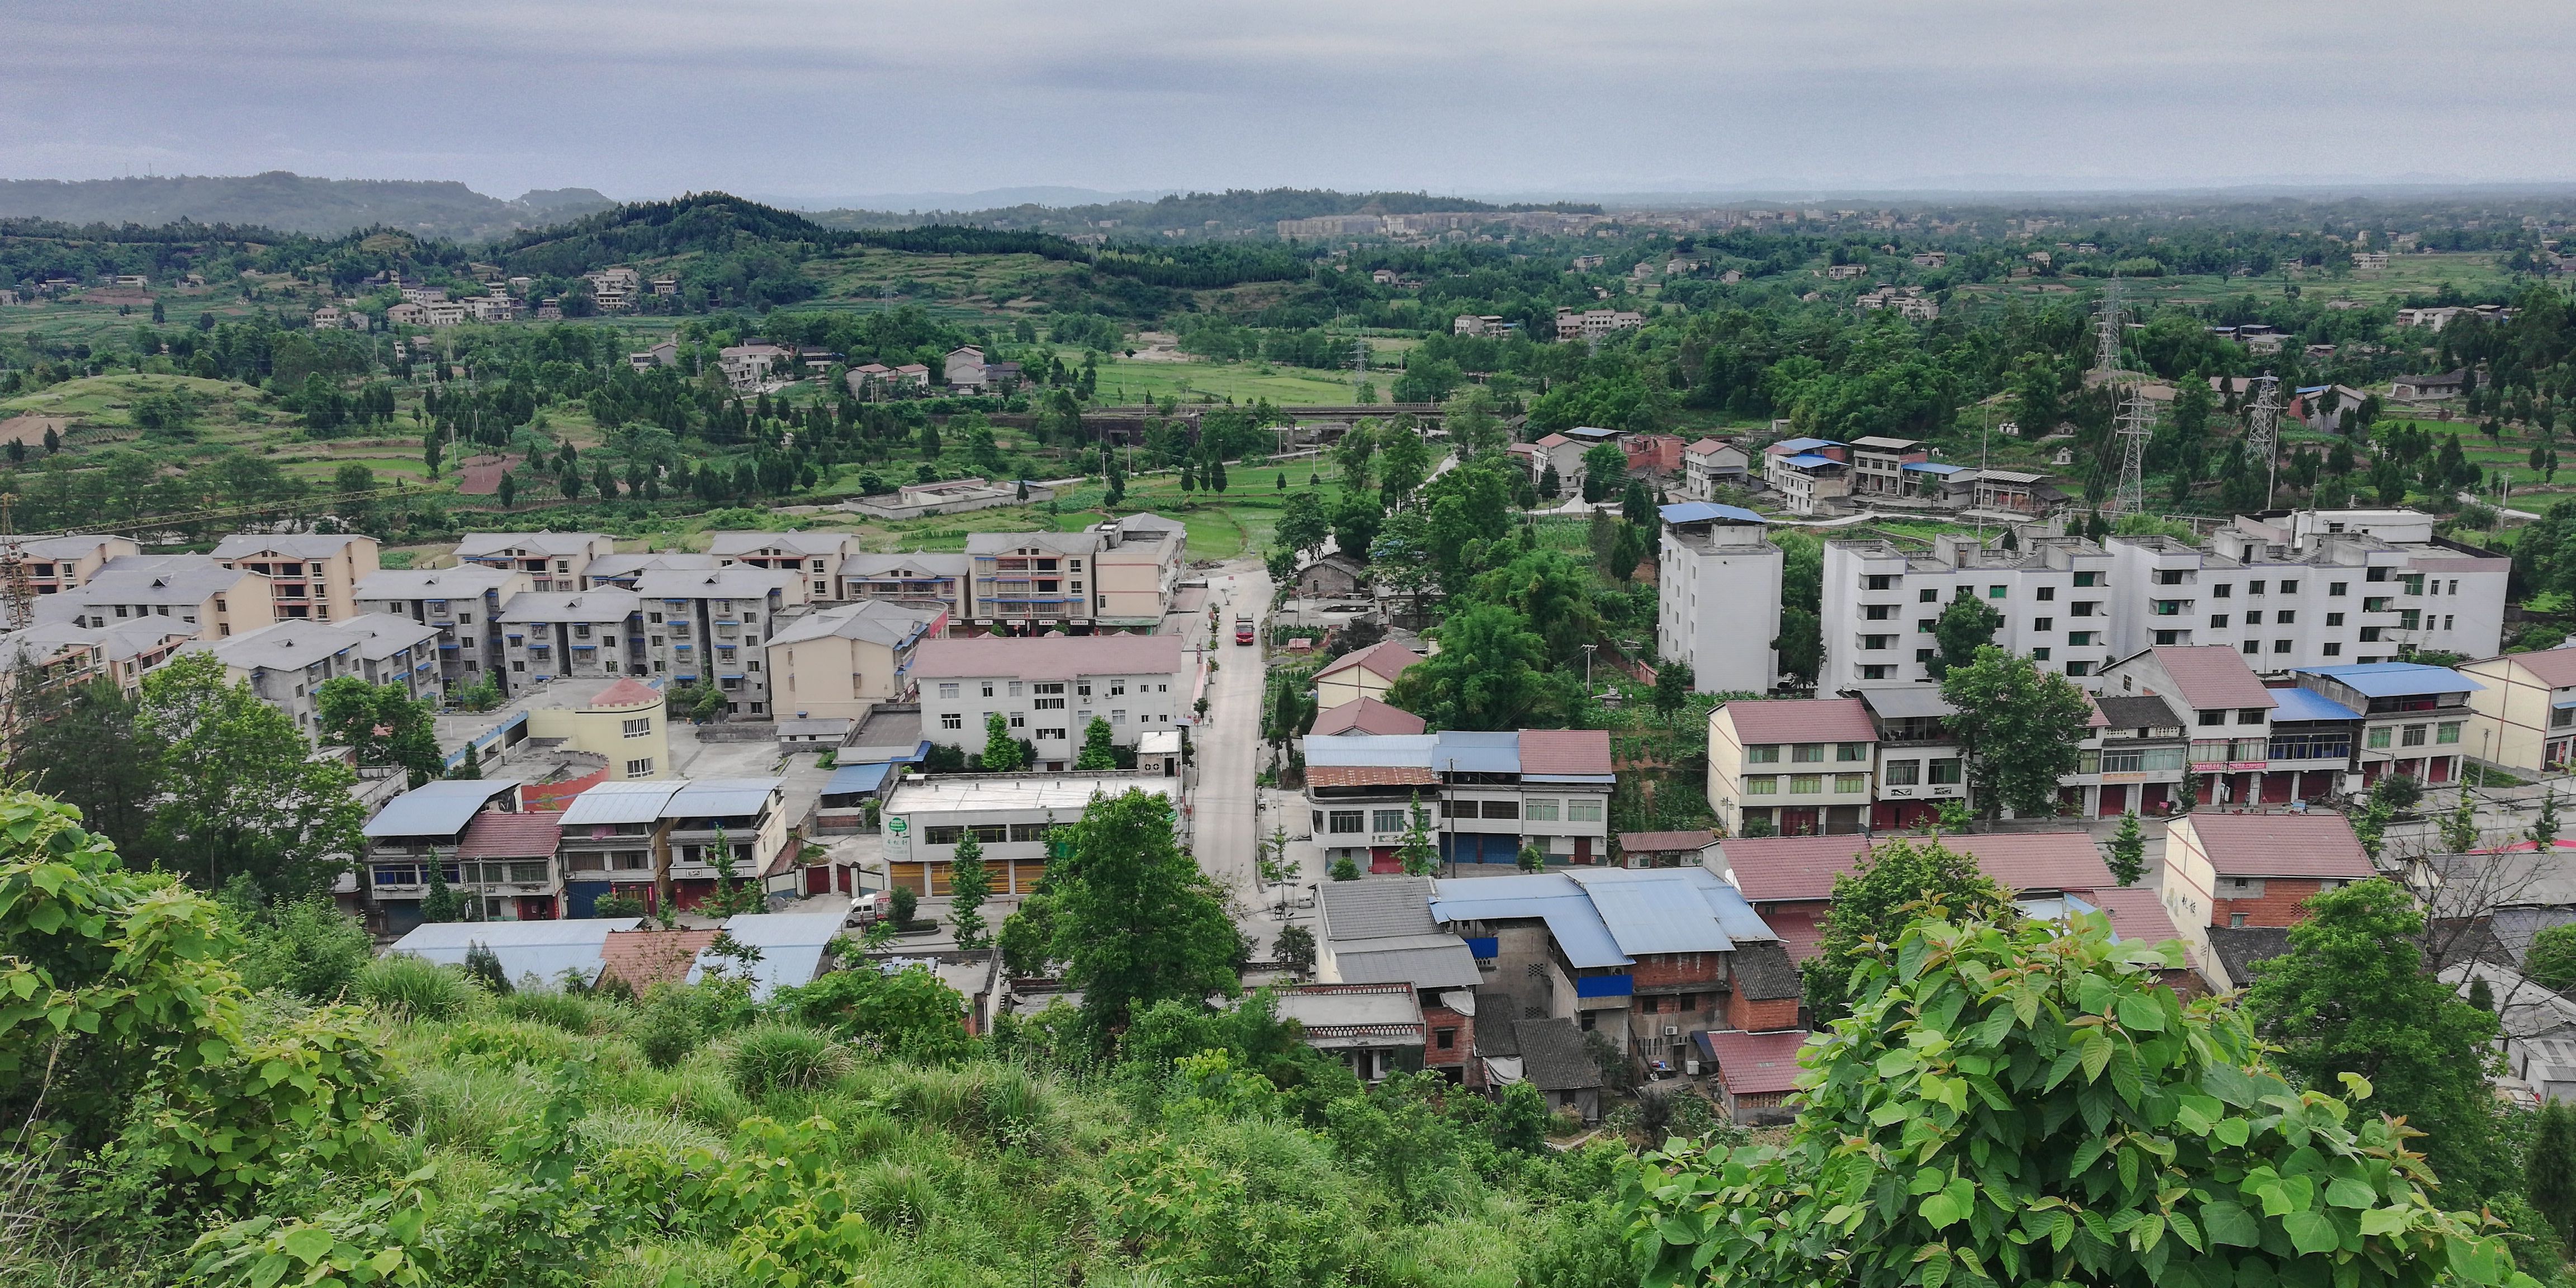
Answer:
(31, 429)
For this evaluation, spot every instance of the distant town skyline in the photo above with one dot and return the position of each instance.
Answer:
(815, 104)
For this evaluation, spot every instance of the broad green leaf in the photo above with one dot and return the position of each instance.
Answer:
(2383, 1220)
(2142, 1012)
(307, 1244)
(2311, 1232)
(2229, 1223)
(2097, 1054)
(2342, 1192)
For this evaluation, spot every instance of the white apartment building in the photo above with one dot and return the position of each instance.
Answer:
(816, 556)
(1718, 580)
(311, 575)
(1050, 689)
(588, 633)
(711, 626)
(1710, 464)
(1119, 573)
(287, 663)
(2317, 589)
(1881, 603)
(464, 605)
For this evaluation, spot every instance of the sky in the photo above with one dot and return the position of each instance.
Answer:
(819, 102)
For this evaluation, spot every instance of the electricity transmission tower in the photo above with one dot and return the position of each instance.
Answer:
(2106, 346)
(2137, 423)
(1359, 366)
(2263, 432)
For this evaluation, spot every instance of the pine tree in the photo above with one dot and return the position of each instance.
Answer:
(2128, 851)
(2544, 829)
(969, 884)
(471, 766)
(1001, 750)
(2460, 828)
(1099, 751)
(441, 904)
(2549, 1174)
(1415, 853)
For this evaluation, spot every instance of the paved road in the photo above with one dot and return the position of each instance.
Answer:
(1225, 822)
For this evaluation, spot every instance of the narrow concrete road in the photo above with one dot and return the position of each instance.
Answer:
(1225, 820)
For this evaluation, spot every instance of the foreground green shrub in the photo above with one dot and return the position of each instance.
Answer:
(414, 987)
(571, 1012)
(773, 1057)
(308, 948)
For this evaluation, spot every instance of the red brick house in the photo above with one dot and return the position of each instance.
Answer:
(2252, 871)
(1789, 880)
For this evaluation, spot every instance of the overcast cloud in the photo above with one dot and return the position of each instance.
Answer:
(815, 101)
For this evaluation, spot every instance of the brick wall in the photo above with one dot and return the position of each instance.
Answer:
(1759, 1015)
(2278, 906)
(1679, 968)
(1434, 1019)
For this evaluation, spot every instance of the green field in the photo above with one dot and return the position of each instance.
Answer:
(1130, 380)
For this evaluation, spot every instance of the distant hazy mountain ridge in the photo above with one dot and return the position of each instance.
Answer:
(294, 203)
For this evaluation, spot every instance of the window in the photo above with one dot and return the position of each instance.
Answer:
(1849, 784)
(937, 835)
(2088, 579)
(2039, 655)
(2369, 635)
(1927, 626)
(1015, 689)
(2079, 668)
(2378, 739)
(1994, 592)
(951, 720)
(1347, 821)
(2280, 646)
(1902, 773)
(1502, 809)
(2249, 749)
(1875, 671)
(2250, 715)
(1806, 784)
(1878, 581)
(1849, 752)
(637, 728)
(2333, 650)
(1922, 655)
(1763, 754)
(2375, 574)
(1539, 809)
(2208, 718)
(2169, 607)
(1808, 753)
(2253, 619)
(2333, 588)
(2447, 732)
(986, 686)
(948, 690)
(1386, 820)
(1446, 1038)
(1928, 595)
(1762, 785)
(1117, 715)
(1044, 734)
(2334, 619)
(2290, 587)
(2088, 608)
(1875, 641)
(2414, 736)
(1582, 810)
(2250, 647)
(1019, 720)
(640, 768)
(1047, 704)
(2079, 639)
(1878, 612)
(2169, 576)
(1947, 773)
(2047, 593)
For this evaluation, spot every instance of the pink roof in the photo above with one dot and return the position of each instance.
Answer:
(644, 958)
(1370, 776)
(2314, 844)
(1650, 842)
(627, 693)
(2136, 913)
(1565, 751)
(1801, 720)
(2213, 676)
(1388, 659)
(1554, 440)
(1804, 867)
(2555, 667)
(1705, 446)
(1050, 657)
(1366, 716)
(1801, 931)
(1754, 1063)
(496, 835)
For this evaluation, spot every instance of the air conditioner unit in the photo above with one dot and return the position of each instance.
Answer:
(1672, 1030)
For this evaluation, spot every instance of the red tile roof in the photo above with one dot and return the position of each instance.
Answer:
(1565, 751)
(1651, 842)
(2555, 667)
(627, 693)
(1800, 720)
(1388, 659)
(2213, 676)
(1804, 867)
(1370, 776)
(1366, 716)
(644, 958)
(2136, 913)
(523, 835)
(1801, 931)
(1755, 1063)
(2314, 844)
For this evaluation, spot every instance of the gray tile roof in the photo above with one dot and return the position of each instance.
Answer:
(1377, 908)
(829, 544)
(295, 545)
(596, 605)
(738, 582)
(492, 544)
(1553, 1057)
(463, 582)
(874, 621)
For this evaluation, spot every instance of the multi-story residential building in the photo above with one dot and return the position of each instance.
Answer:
(708, 819)
(1719, 575)
(552, 560)
(54, 564)
(1796, 767)
(1564, 456)
(1789, 880)
(621, 570)
(51, 654)
(1116, 574)
(1806, 472)
(1484, 797)
(1008, 815)
(1878, 465)
(424, 827)
(1593, 324)
(2141, 760)
(1366, 673)
(2413, 719)
(2321, 589)
(586, 633)
(1920, 763)
(202, 596)
(841, 661)
(917, 579)
(713, 625)
(616, 720)
(1881, 602)
(1380, 932)
(2226, 872)
(312, 575)
(1712, 463)
(1643, 958)
(2228, 712)
(463, 603)
(614, 839)
(288, 662)
(2526, 710)
(814, 556)
(1049, 690)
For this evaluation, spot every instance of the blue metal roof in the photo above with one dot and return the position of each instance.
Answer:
(1706, 511)
(1610, 916)
(2395, 679)
(439, 807)
(2307, 704)
(542, 949)
(1464, 752)
(1802, 444)
(1808, 462)
(857, 778)
(1934, 467)
(1592, 432)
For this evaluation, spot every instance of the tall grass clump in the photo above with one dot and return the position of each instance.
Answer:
(773, 1057)
(413, 987)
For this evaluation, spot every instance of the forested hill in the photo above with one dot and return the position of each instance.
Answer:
(1233, 210)
(293, 203)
